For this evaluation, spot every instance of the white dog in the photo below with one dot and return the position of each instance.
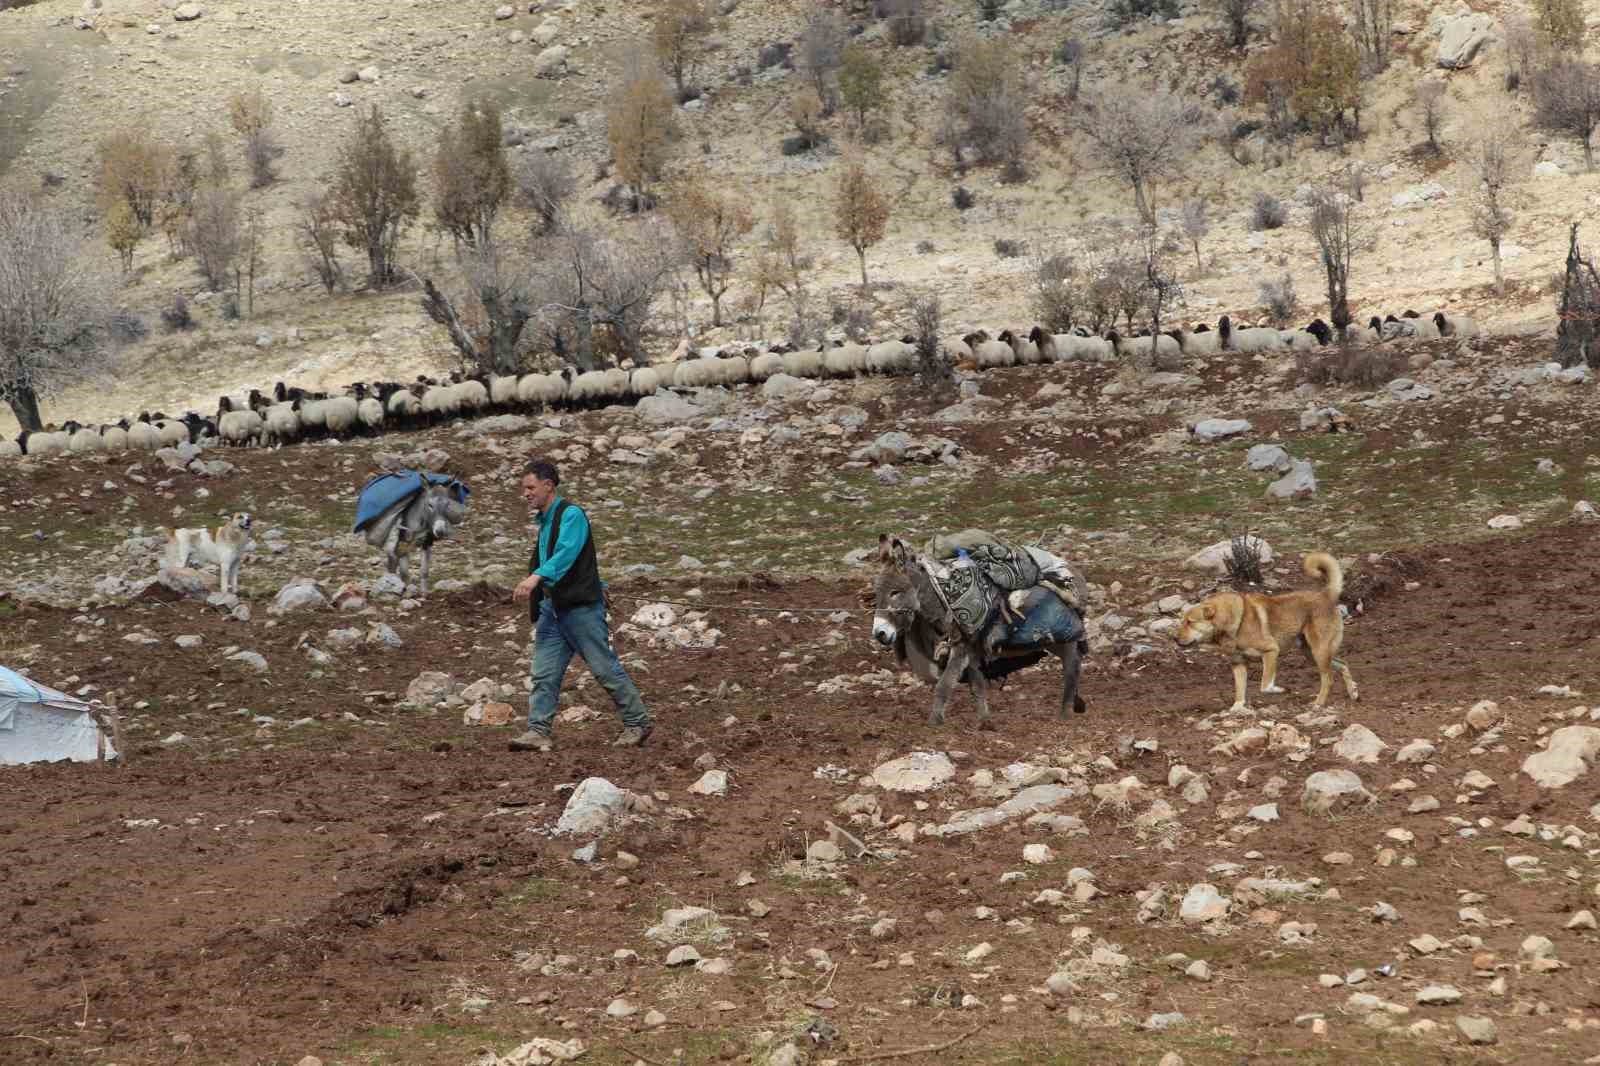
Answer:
(223, 546)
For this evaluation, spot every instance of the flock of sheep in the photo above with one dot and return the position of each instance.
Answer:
(290, 414)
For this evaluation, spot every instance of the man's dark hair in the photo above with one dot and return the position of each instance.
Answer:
(544, 470)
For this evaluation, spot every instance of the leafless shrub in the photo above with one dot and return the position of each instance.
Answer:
(1339, 364)
(1195, 226)
(1055, 290)
(546, 181)
(855, 315)
(1236, 13)
(962, 197)
(907, 19)
(1566, 98)
(640, 124)
(53, 308)
(1372, 22)
(1143, 138)
(1340, 234)
(819, 53)
(1268, 212)
(1243, 562)
(1070, 54)
(1495, 161)
(1008, 248)
(251, 116)
(1120, 13)
(215, 232)
(1280, 299)
(1428, 97)
(176, 315)
(985, 103)
(1522, 50)
(681, 27)
(316, 229)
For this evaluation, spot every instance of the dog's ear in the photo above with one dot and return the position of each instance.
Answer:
(883, 547)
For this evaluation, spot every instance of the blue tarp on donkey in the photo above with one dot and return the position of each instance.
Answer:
(406, 511)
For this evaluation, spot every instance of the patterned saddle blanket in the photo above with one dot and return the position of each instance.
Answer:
(976, 584)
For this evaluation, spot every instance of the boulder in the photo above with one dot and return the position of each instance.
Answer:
(890, 447)
(188, 13)
(666, 407)
(917, 772)
(592, 806)
(1268, 457)
(1461, 38)
(711, 783)
(301, 594)
(429, 688)
(1358, 744)
(1299, 482)
(781, 386)
(1203, 903)
(1566, 757)
(1329, 790)
(1214, 429)
(550, 62)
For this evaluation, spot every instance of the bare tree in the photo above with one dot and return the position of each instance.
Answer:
(1341, 234)
(471, 178)
(252, 253)
(710, 225)
(123, 232)
(1496, 165)
(1522, 49)
(935, 376)
(820, 52)
(617, 277)
(639, 124)
(1578, 312)
(1055, 284)
(546, 181)
(985, 106)
(860, 211)
(251, 116)
(497, 300)
(680, 33)
(1142, 138)
(782, 266)
(1372, 21)
(1071, 55)
(1566, 98)
(1161, 287)
(1195, 226)
(1429, 99)
(1237, 15)
(215, 232)
(53, 317)
(316, 230)
(805, 111)
(375, 195)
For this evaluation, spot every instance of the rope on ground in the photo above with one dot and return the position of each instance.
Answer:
(901, 1053)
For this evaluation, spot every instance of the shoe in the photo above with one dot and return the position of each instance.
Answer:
(632, 737)
(532, 741)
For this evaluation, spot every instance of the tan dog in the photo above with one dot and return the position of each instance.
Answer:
(1252, 625)
(223, 546)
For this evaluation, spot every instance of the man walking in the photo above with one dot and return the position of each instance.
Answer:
(566, 603)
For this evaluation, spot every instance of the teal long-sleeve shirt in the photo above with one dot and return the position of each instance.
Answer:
(574, 531)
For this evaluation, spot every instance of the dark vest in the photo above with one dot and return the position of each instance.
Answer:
(580, 586)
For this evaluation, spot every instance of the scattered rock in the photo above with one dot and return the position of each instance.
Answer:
(1477, 1030)
(1328, 791)
(1209, 430)
(1299, 482)
(1213, 559)
(1439, 996)
(711, 783)
(592, 807)
(916, 772)
(1203, 903)
(1358, 744)
(1566, 756)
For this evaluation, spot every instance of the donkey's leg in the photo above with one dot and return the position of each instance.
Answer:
(427, 560)
(947, 683)
(1071, 665)
(980, 692)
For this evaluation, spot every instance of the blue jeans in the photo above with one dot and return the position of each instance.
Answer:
(581, 631)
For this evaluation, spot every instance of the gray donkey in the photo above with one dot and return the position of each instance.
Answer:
(911, 617)
(414, 524)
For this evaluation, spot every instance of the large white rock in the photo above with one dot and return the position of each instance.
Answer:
(1359, 744)
(1203, 903)
(1462, 37)
(551, 61)
(1268, 457)
(1214, 429)
(711, 783)
(917, 772)
(1212, 560)
(779, 386)
(592, 806)
(301, 594)
(1330, 790)
(1300, 481)
(1566, 757)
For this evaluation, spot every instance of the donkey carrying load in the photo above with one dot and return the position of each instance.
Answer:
(406, 511)
(984, 611)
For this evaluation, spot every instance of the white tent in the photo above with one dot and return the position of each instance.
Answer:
(39, 724)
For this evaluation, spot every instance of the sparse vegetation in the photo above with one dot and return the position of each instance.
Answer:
(1070, 54)
(1311, 74)
(1268, 212)
(1340, 234)
(1495, 160)
(374, 196)
(1566, 99)
(710, 223)
(1055, 295)
(1561, 24)
(820, 53)
(1522, 49)
(471, 178)
(1236, 13)
(985, 104)
(679, 38)
(1121, 13)
(175, 316)
(1428, 97)
(123, 232)
(316, 230)
(135, 169)
(907, 19)
(1578, 310)
(860, 212)
(1142, 138)
(1195, 226)
(1243, 562)
(805, 111)
(546, 182)
(783, 267)
(251, 116)
(639, 123)
(962, 197)
(1280, 299)
(1372, 22)
(1363, 366)
(861, 83)
(1006, 248)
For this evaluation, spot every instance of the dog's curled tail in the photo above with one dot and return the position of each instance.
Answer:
(1325, 566)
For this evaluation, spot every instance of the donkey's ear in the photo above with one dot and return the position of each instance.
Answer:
(883, 547)
(900, 552)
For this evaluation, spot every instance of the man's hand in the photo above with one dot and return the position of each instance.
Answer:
(526, 587)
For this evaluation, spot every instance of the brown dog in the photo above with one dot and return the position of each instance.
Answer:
(1251, 625)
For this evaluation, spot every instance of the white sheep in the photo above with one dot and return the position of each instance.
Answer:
(543, 389)
(1253, 339)
(340, 413)
(369, 412)
(173, 432)
(992, 355)
(438, 402)
(1298, 340)
(1135, 347)
(241, 428)
(471, 396)
(54, 442)
(282, 423)
(83, 440)
(766, 366)
(846, 360)
(891, 357)
(643, 381)
(113, 439)
(1461, 327)
(404, 405)
(143, 437)
(804, 364)
(1205, 342)
(503, 390)
(1025, 351)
